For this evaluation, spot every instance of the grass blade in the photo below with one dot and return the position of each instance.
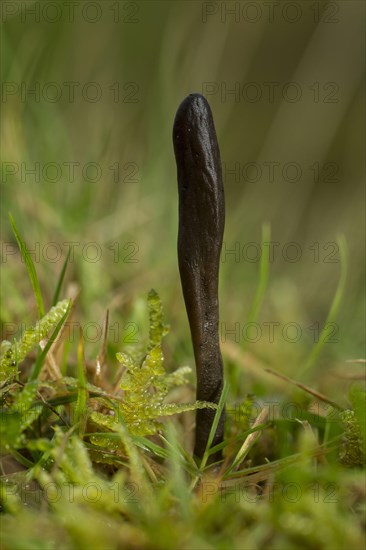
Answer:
(42, 356)
(219, 411)
(263, 277)
(30, 267)
(179, 487)
(259, 425)
(259, 295)
(187, 461)
(334, 307)
(61, 279)
(146, 444)
(81, 403)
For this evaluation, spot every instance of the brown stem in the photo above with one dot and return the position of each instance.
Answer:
(201, 228)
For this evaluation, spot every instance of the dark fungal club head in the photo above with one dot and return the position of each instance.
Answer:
(194, 136)
(200, 233)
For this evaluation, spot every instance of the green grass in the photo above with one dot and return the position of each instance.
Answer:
(86, 464)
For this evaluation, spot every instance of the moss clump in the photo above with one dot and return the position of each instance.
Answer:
(13, 354)
(352, 452)
(145, 383)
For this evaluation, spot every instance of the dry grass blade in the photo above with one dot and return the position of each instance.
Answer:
(264, 472)
(349, 376)
(307, 389)
(100, 363)
(51, 370)
(341, 374)
(250, 439)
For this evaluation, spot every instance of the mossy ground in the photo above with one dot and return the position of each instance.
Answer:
(92, 458)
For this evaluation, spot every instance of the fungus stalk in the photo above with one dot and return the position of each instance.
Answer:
(200, 234)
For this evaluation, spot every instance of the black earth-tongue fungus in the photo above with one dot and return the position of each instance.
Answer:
(200, 234)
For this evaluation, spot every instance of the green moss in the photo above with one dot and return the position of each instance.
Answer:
(145, 383)
(352, 451)
(12, 354)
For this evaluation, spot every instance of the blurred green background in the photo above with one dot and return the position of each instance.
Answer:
(89, 94)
